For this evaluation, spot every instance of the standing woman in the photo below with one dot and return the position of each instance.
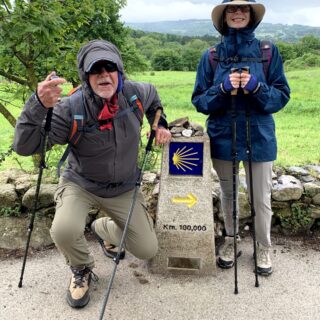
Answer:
(260, 93)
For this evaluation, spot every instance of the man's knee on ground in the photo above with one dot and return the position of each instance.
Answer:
(146, 250)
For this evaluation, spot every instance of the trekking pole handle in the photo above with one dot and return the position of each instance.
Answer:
(156, 120)
(153, 129)
(245, 70)
(47, 126)
(234, 92)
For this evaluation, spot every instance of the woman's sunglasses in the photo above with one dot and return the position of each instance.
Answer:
(233, 9)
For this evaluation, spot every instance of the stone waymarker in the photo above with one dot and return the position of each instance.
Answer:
(184, 225)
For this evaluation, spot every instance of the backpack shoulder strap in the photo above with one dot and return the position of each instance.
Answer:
(131, 95)
(213, 58)
(77, 124)
(265, 48)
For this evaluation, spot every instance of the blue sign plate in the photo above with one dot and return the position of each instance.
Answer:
(186, 158)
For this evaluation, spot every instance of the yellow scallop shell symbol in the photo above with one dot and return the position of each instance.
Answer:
(184, 159)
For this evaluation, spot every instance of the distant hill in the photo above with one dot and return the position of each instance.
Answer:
(289, 33)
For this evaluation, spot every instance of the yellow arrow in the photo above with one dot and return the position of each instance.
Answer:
(190, 200)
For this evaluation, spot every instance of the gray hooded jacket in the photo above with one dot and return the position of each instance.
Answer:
(104, 162)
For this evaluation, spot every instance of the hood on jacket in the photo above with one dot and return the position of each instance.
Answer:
(217, 15)
(94, 51)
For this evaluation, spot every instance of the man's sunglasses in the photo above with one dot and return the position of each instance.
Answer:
(233, 9)
(98, 67)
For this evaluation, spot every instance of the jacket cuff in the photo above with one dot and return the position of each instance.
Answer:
(222, 88)
(257, 88)
(35, 109)
(38, 99)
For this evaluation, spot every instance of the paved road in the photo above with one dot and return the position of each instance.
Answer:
(292, 292)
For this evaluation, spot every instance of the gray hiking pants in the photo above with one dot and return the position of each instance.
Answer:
(262, 185)
(72, 207)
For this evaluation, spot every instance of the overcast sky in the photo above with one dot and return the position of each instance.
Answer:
(277, 11)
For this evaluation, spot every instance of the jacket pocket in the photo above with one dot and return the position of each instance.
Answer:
(58, 196)
(148, 217)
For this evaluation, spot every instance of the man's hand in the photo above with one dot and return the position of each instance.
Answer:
(163, 135)
(48, 91)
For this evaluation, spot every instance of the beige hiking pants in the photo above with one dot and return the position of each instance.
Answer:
(72, 207)
(262, 185)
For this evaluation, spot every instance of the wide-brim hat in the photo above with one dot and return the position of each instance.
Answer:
(217, 12)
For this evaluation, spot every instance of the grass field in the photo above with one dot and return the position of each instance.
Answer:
(297, 124)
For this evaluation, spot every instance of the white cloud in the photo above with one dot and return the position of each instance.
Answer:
(278, 11)
(140, 11)
(305, 16)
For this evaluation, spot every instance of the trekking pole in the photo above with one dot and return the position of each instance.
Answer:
(253, 211)
(42, 165)
(234, 183)
(134, 197)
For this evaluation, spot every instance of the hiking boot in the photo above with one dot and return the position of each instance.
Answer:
(226, 253)
(264, 266)
(109, 250)
(78, 293)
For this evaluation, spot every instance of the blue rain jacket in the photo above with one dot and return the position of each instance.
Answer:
(273, 95)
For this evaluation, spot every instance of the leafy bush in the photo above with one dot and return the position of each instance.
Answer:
(10, 211)
(300, 219)
(167, 59)
(308, 60)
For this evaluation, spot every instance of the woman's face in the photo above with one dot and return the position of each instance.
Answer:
(237, 17)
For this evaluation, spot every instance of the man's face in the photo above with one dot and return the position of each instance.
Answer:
(103, 79)
(237, 17)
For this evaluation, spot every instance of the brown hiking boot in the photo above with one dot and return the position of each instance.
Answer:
(78, 293)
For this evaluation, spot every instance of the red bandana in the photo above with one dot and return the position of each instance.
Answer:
(107, 113)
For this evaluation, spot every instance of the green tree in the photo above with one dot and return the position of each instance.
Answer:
(311, 43)
(167, 59)
(129, 50)
(191, 53)
(307, 44)
(146, 45)
(287, 50)
(39, 36)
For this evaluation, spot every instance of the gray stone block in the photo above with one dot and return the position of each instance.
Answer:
(185, 223)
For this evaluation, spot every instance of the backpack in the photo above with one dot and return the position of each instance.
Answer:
(78, 116)
(265, 48)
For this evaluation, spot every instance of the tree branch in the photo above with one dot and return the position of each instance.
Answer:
(5, 112)
(20, 57)
(5, 5)
(14, 78)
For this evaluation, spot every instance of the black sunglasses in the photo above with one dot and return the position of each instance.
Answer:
(233, 9)
(98, 67)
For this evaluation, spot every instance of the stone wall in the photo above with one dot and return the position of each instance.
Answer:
(295, 202)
